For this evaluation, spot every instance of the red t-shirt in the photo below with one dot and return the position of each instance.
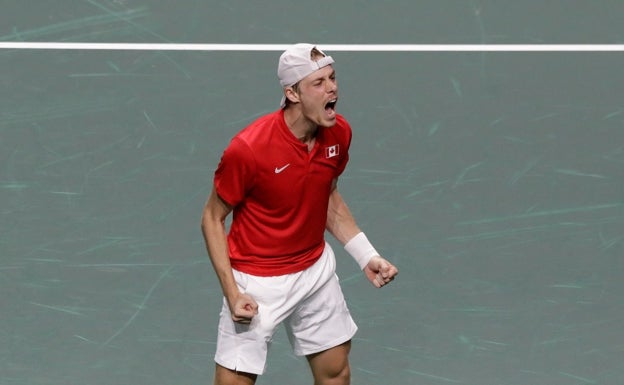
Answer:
(279, 192)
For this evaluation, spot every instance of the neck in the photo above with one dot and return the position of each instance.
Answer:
(303, 129)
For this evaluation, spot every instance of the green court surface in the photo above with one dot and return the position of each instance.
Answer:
(493, 180)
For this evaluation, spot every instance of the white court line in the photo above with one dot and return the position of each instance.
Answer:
(328, 47)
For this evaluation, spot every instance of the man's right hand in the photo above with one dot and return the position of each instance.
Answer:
(243, 308)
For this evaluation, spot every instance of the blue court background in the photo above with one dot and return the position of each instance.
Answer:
(492, 180)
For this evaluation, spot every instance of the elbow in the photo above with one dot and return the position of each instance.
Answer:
(214, 214)
(206, 220)
(204, 226)
(211, 221)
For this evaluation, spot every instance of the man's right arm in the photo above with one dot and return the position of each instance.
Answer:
(242, 306)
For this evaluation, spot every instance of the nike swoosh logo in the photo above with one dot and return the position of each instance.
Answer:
(278, 170)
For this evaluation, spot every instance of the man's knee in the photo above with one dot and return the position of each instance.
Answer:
(331, 367)
(225, 376)
(339, 375)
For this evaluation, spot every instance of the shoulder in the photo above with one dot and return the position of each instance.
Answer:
(253, 142)
(260, 128)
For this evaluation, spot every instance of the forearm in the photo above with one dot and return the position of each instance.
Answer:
(217, 251)
(213, 230)
(342, 225)
(340, 221)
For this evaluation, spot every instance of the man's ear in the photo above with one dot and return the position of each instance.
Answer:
(291, 94)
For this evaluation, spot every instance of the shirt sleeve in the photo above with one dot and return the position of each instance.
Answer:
(235, 173)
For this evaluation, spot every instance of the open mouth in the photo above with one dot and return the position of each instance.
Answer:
(330, 107)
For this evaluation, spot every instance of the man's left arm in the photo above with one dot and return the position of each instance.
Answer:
(342, 225)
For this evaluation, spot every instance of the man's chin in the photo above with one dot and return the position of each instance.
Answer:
(329, 121)
(328, 124)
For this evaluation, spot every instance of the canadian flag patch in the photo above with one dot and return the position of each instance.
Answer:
(332, 151)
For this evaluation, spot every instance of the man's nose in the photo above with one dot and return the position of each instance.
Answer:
(332, 86)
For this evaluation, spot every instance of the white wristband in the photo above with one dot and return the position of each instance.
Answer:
(360, 249)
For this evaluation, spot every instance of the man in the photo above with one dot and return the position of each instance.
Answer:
(279, 178)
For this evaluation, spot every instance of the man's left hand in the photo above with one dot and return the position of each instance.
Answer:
(380, 272)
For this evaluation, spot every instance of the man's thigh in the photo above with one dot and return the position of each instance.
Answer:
(320, 322)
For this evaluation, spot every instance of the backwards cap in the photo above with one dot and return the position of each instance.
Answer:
(296, 63)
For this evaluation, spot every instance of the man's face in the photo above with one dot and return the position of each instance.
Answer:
(318, 94)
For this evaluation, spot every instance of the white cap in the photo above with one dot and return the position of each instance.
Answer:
(296, 63)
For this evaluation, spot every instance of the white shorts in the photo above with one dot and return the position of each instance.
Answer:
(309, 303)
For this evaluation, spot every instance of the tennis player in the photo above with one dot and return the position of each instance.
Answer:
(278, 177)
